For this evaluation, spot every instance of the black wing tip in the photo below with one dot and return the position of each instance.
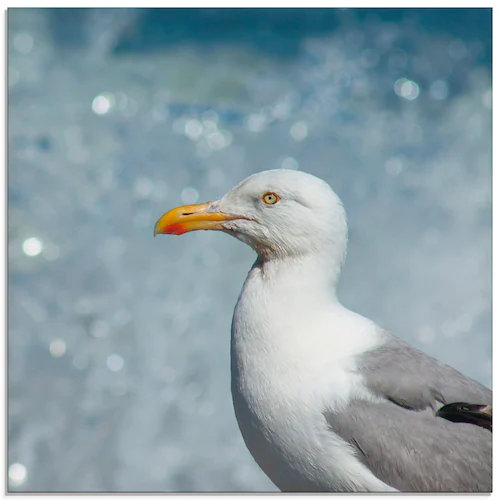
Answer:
(481, 415)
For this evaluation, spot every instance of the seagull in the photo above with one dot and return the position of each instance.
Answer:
(326, 400)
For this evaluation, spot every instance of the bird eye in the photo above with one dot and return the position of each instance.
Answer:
(270, 198)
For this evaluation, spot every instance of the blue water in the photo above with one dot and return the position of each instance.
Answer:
(119, 343)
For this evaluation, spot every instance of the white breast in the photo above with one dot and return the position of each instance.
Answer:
(292, 354)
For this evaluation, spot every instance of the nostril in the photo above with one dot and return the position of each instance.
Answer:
(188, 213)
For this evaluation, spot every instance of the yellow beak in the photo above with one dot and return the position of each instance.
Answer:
(180, 220)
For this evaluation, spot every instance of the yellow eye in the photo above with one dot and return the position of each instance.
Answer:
(270, 198)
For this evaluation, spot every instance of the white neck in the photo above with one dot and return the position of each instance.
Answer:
(289, 306)
(306, 274)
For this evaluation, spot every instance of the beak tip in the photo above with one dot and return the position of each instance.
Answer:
(158, 229)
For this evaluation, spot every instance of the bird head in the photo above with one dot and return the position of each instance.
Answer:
(278, 213)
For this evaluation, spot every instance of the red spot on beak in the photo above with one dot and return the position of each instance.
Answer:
(175, 229)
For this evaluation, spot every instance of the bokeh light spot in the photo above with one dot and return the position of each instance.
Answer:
(17, 474)
(256, 122)
(32, 247)
(114, 362)
(99, 329)
(457, 49)
(299, 131)
(282, 111)
(57, 348)
(102, 103)
(81, 361)
(143, 187)
(23, 43)
(189, 195)
(290, 163)
(193, 129)
(439, 90)
(393, 166)
(407, 89)
(210, 119)
(216, 140)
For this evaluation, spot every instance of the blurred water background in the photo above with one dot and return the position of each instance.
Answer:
(118, 347)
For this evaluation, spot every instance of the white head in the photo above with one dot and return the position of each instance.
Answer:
(279, 213)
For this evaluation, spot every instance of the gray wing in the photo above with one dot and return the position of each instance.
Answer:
(400, 439)
(410, 378)
(415, 451)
